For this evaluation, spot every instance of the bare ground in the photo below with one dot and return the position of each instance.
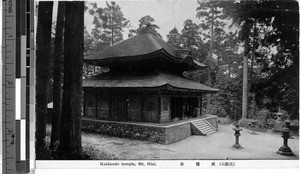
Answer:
(214, 146)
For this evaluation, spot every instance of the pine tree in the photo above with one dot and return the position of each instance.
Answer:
(143, 22)
(174, 38)
(109, 24)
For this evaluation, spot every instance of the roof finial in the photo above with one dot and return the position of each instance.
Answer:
(148, 23)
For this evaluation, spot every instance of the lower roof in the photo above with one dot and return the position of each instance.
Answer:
(154, 80)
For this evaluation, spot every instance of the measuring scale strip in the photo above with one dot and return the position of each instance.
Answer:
(8, 88)
(18, 32)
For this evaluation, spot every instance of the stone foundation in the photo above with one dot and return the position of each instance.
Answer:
(140, 131)
(158, 134)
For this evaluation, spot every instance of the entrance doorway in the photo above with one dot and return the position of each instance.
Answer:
(184, 107)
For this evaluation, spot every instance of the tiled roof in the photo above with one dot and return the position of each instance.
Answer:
(153, 80)
(144, 43)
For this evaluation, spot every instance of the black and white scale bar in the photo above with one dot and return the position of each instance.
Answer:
(21, 86)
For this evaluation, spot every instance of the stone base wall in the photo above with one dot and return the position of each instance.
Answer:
(213, 120)
(157, 134)
(177, 132)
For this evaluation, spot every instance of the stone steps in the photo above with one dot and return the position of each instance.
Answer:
(202, 127)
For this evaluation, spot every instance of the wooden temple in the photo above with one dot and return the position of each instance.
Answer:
(144, 82)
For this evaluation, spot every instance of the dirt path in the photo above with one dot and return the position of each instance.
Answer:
(214, 146)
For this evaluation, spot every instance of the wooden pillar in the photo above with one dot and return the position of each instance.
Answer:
(109, 106)
(142, 108)
(126, 102)
(184, 104)
(84, 103)
(159, 108)
(96, 105)
(200, 105)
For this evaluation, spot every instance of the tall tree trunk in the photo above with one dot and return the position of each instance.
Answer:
(252, 54)
(43, 52)
(245, 78)
(211, 44)
(253, 48)
(211, 52)
(57, 74)
(70, 134)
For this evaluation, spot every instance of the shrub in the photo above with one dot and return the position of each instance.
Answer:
(246, 122)
(224, 121)
(295, 126)
(215, 110)
(253, 110)
(270, 123)
(277, 127)
(285, 115)
(295, 123)
(262, 117)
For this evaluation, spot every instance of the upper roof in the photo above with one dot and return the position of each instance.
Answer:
(145, 43)
(154, 80)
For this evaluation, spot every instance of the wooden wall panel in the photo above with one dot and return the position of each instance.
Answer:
(134, 111)
(102, 105)
(165, 114)
(118, 110)
(150, 109)
(90, 105)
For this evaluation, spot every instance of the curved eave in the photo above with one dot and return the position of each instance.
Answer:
(187, 63)
(174, 88)
(167, 87)
(160, 80)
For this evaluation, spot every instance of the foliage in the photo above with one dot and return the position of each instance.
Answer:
(143, 22)
(257, 114)
(215, 109)
(224, 120)
(270, 123)
(109, 24)
(211, 20)
(174, 38)
(277, 28)
(192, 41)
(262, 117)
(246, 122)
(253, 110)
(124, 130)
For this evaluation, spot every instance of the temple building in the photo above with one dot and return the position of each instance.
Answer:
(145, 82)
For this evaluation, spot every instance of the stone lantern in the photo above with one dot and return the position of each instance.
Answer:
(285, 149)
(237, 133)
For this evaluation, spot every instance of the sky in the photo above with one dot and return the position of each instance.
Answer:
(167, 14)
